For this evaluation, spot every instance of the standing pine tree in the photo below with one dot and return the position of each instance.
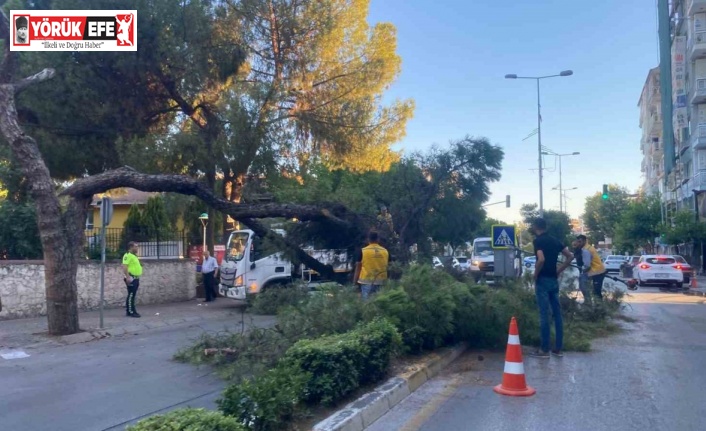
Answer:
(134, 228)
(155, 219)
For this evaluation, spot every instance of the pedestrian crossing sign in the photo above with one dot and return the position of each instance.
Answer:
(504, 237)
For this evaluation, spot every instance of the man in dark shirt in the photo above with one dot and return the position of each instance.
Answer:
(546, 280)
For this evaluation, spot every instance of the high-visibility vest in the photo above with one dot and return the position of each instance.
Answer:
(597, 266)
(374, 265)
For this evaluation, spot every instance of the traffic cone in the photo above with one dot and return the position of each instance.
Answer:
(694, 283)
(514, 383)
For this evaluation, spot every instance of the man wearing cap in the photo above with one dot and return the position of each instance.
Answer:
(133, 271)
(21, 26)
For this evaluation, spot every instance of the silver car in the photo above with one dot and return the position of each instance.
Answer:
(613, 262)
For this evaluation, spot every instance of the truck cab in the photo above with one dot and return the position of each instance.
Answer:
(482, 258)
(249, 266)
(252, 265)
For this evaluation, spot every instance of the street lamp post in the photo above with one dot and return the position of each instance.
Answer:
(204, 221)
(562, 197)
(539, 128)
(551, 153)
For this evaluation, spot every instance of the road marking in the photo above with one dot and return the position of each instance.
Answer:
(432, 406)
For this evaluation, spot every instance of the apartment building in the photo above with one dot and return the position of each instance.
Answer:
(688, 86)
(651, 142)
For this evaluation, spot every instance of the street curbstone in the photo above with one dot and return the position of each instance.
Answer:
(133, 329)
(347, 419)
(416, 378)
(80, 337)
(395, 390)
(370, 407)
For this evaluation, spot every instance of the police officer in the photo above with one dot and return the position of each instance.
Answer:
(133, 271)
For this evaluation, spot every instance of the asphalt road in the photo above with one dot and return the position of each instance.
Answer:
(649, 377)
(109, 383)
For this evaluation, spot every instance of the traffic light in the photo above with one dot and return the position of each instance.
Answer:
(605, 191)
(507, 201)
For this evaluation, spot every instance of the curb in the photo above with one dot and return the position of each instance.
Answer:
(362, 412)
(694, 293)
(91, 334)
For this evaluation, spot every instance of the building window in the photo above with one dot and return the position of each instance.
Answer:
(90, 219)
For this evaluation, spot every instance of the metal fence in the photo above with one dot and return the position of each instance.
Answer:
(152, 244)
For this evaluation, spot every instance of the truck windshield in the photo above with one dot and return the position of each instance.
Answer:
(482, 248)
(236, 245)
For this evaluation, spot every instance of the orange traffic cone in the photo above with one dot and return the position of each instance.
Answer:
(694, 283)
(514, 383)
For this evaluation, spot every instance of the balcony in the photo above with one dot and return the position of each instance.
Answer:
(698, 138)
(699, 182)
(697, 45)
(697, 6)
(698, 94)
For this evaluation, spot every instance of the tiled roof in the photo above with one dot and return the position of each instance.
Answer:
(125, 196)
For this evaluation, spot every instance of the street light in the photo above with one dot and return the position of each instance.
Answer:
(549, 152)
(204, 221)
(539, 127)
(562, 195)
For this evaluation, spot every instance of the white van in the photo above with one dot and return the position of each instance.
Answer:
(483, 257)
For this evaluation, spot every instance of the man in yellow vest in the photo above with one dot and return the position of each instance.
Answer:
(595, 270)
(371, 266)
(133, 271)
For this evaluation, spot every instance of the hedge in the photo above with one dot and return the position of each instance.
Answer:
(188, 420)
(323, 370)
(339, 364)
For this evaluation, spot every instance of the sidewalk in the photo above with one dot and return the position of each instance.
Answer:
(700, 290)
(32, 332)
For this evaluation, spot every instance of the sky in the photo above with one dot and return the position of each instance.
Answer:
(455, 54)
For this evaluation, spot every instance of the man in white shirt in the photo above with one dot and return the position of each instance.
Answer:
(209, 269)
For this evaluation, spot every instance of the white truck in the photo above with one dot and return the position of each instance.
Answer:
(249, 266)
(482, 258)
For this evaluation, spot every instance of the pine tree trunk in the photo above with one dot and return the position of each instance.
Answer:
(58, 237)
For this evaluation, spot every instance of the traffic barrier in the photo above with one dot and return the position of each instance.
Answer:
(514, 383)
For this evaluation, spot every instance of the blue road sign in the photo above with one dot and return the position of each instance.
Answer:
(504, 237)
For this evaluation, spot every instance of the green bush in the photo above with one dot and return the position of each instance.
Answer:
(265, 403)
(188, 420)
(422, 307)
(277, 297)
(339, 364)
(333, 311)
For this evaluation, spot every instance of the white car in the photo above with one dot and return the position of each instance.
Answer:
(612, 263)
(658, 269)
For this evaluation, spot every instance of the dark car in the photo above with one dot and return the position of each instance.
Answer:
(684, 266)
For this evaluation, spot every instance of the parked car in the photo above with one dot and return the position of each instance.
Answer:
(612, 263)
(529, 261)
(685, 267)
(436, 262)
(659, 269)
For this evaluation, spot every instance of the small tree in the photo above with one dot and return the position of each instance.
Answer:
(155, 219)
(558, 223)
(134, 228)
(639, 224)
(684, 229)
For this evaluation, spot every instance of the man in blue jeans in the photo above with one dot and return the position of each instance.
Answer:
(546, 281)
